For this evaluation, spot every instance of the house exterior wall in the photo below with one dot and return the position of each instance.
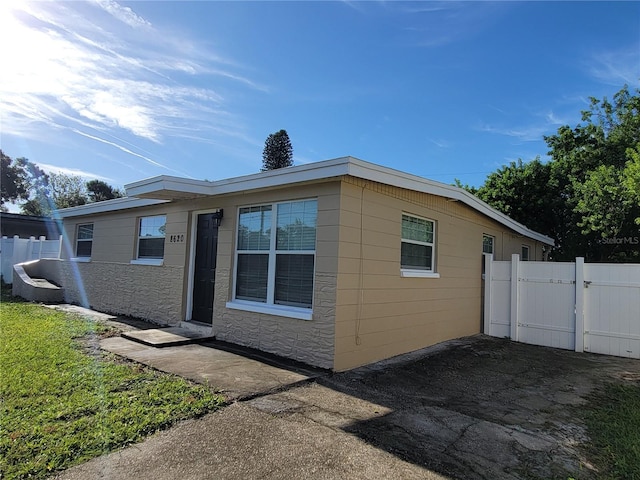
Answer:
(379, 313)
(363, 309)
(110, 282)
(309, 341)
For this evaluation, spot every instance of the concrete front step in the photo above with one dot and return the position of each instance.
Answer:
(167, 337)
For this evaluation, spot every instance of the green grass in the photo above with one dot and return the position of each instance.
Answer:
(613, 422)
(62, 401)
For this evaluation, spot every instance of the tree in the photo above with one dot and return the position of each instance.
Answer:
(521, 191)
(99, 191)
(587, 197)
(62, 191)
(278, 152)
(20, 179)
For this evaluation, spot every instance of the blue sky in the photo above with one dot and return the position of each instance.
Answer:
(122, 91)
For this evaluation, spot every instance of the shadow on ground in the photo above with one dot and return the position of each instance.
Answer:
(481, 408)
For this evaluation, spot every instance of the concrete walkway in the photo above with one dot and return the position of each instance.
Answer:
(234, 375)
(476, 408)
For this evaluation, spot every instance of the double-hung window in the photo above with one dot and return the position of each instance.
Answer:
(417, 255)
(151, 234)
(84, 241)
(487, 244)
(525, 253)
(275, 254)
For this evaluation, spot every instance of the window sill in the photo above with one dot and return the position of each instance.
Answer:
(280, 311)
(418, 274)
(80, 259)
(147, 261)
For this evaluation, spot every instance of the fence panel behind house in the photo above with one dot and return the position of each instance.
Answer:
(17, 250)
(612, 309)
(497, 305)
(575, 306)
(546, 294)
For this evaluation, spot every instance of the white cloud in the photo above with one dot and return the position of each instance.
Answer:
(124, 14)
(74, 70)
(616, 67)
(70, 171)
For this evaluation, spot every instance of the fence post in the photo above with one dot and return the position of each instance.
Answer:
(60, 248)
(580, 326)
(488, 265)
(42, 239)
(515, 267)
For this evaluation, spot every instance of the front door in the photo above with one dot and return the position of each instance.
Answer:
(204, 276)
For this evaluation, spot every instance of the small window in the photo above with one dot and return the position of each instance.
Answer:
(151, 237)
(84, 242)
(487, 244)
(417, 248)
(525, 253)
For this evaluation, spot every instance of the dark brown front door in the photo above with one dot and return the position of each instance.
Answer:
(204, 277)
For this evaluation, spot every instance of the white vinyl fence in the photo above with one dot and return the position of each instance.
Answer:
(590, 307)
(17, 250)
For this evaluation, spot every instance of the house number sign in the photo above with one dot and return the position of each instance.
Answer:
(179, 238)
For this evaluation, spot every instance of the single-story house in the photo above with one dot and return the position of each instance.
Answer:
(337, 263)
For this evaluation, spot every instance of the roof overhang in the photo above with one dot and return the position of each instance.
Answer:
(107, 206)
(167, 188)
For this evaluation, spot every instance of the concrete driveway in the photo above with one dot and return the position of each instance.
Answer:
(476, 408)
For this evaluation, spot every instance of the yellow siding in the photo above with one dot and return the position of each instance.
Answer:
(379, 313)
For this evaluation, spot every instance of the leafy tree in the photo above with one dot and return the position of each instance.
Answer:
(589, 192)
(62, 191)
(99, 191)
(20, 179)
(278, 152)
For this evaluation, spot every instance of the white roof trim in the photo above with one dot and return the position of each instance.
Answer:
(107, 206)
(168, 187)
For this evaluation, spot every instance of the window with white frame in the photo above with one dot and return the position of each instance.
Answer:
(525, 253)
(84, 240)
(418, 247)
(487, 244)
(275, 253)
(151, 233)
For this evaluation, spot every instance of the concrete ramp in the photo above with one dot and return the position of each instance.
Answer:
(167, 337)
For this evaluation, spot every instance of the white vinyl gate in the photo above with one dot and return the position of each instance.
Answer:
(576, 306)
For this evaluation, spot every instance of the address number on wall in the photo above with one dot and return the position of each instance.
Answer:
(176, 238)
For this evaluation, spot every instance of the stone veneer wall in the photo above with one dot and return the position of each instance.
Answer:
(310, 342)
(120, 288)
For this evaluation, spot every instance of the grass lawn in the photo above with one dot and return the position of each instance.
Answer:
(613, 422)
(63, 401)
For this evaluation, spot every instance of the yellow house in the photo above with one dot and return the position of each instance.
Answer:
(337, 263)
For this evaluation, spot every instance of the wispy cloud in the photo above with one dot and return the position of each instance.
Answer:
(616, 67)
(124, 14)
(110, 71)
(526, 134)
(71, 171)
(434, 24)
(126, 150)
(440, 143)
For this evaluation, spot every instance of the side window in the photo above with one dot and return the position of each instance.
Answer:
(151, 233)
(418, 248)
(487, 243)
(84, 240)
(525, 253)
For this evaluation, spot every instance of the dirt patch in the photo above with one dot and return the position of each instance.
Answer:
(482, 408)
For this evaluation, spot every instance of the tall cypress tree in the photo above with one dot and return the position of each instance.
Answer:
(278, 152)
